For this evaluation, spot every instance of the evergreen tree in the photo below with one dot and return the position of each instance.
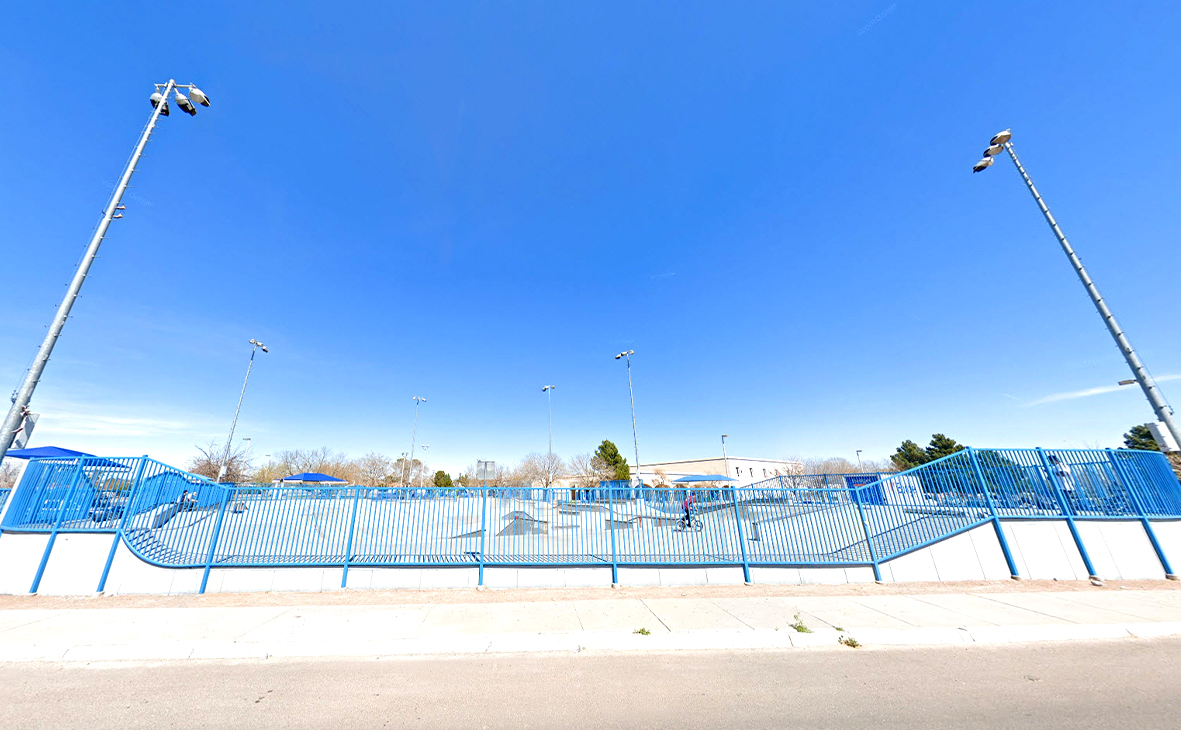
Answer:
(941, 446)
(909, 455)
(1140, 438)
(443, 480)
(609, 453)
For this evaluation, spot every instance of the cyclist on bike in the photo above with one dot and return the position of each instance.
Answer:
(690, 499)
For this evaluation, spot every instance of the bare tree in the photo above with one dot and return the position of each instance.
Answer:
(208, 461)
(418, 473)
(840, 465)
(8, 474)
(540, 469)
(374, 469)
(589, 470)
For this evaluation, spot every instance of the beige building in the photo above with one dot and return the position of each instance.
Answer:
(743, 469)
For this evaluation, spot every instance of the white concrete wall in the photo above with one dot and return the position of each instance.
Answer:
(972, 555)
(1044, 550)
(76, 564)
(19, 557)
(811, 576)
(129, 574)
(1168, 534)
(1120, 550)
(1041, 550)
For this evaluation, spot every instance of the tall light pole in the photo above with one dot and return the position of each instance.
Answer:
(1001, 142)
(632, 394)
(113, 211)
(255, 346)
(249, 445)
(859, 460)
(410, 462)
(549, 460)
(725, 458)
(423, 469)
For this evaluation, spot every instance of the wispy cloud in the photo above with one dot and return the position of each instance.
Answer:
(76, 419)
(666, 275)
(1088, 392)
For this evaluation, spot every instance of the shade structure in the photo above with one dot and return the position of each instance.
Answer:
(46, 452)
(703, 478)
(311, 476)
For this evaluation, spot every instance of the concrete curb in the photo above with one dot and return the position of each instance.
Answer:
(605, 641)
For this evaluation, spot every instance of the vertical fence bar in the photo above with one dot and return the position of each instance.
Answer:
(1068, 513)
(996, 519)
(483, 532)
(873, 556)
(135, 482)
(741, 537)
(611, 522)
(1129, 487)
(61, 514)
(348, 549)
(229, 496)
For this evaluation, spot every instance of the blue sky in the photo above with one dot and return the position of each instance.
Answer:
(771, 203)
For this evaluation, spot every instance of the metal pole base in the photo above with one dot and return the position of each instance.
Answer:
(1015, 577)
(481, 588)
(1171, 576)
(616, 585)
(1096, 581)
(748, 583)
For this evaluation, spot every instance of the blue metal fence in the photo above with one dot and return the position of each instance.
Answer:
(174, 519)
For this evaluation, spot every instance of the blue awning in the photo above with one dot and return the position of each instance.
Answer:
(46, 452)
(311, 476)
(703, 478)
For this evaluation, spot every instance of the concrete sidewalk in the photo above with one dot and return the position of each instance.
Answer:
(651, 620)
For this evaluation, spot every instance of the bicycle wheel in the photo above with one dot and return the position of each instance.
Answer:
(698, 525)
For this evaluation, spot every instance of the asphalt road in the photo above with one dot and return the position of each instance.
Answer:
(1121, 683)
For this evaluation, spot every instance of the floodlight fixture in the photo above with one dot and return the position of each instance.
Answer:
(1001, 137)
(185, 105)
(198, 95)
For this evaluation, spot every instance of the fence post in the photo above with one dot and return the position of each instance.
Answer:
(611, 522)
(1130, 488)
(1068, 513)
(483, 532)
(229, 496)
(742, 536)
(139, 473)
(873, 556)
(348, 550)
(996, 518)
(61, 514)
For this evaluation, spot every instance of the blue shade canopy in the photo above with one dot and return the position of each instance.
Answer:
(703, 478)
(45, 452)
(311, 476)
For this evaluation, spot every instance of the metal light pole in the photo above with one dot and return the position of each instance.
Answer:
(249, 445)
(859, 460)
(725, 458)
(549, 462)
(1163, 412)
(632, 394)
(423, 469)
(410, 462)
(255, 346)
(113, 211)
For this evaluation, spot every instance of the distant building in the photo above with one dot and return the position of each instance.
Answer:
(740, 468)
(744, 469)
